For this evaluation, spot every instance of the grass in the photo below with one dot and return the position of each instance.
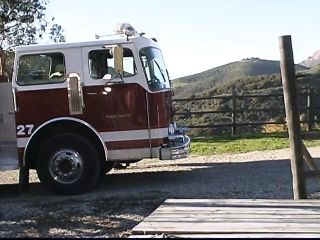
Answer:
(243, 144)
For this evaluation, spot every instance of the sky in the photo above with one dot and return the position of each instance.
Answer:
(197, 35)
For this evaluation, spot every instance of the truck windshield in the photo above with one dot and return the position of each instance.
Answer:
(154, 68)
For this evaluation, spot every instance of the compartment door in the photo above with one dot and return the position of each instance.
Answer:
(8, 144)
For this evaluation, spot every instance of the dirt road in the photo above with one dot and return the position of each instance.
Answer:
(123, 198)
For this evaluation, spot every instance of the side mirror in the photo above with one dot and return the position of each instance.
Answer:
(118, 59)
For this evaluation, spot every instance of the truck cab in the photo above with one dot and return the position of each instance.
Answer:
(80, 108)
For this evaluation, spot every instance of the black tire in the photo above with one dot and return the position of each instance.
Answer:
(68, 164)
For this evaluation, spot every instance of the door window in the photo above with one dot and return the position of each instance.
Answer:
(101, 63)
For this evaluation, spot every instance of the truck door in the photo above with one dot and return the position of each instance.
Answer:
(8, 144)
(116, 107)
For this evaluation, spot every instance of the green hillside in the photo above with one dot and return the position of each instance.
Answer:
(199, 84)
(258, 77)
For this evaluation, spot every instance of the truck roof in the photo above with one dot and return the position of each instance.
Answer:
(63, 45)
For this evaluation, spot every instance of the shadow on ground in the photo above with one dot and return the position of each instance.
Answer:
(121, 200)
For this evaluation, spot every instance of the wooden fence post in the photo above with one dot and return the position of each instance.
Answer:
(292, 116)
(234, 113)
(2, 78)
(310, 109)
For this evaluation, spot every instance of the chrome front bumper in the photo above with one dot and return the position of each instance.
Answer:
(179, 146)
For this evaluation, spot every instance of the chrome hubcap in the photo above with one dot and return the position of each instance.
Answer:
(66, 166)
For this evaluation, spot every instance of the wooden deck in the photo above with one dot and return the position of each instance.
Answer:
(232, 218)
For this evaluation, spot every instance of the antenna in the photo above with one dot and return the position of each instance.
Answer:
(100, 36)
(124, 29)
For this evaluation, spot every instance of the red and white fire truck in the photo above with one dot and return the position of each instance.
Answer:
(79, 108)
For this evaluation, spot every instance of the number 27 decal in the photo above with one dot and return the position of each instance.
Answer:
(24, 129)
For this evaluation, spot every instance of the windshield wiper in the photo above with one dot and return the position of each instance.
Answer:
(161, 70)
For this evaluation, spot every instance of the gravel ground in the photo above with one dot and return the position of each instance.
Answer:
(123, 198)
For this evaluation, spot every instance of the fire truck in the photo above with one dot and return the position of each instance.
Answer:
(80, 108)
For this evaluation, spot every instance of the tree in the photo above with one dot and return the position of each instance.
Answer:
(56, 33)
(23, 22)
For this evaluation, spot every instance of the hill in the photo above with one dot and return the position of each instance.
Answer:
(312, 61)
(199, 84)
(247, 84)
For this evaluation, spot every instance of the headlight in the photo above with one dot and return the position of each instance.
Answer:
(171, 129)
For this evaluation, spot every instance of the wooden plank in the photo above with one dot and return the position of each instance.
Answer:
(232, 235)
(232, 221)
(226, 227)
(271, 205)
(294, 207)
(233, 217)
(239, 209)
(206, 210)
(243, 201)
(250, 205)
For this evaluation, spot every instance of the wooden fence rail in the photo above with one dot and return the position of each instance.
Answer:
(310, 109)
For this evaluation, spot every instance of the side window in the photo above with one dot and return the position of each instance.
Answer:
(43, 68)
(101, 63)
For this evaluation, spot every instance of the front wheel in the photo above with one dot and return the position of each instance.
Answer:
(68, 164)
